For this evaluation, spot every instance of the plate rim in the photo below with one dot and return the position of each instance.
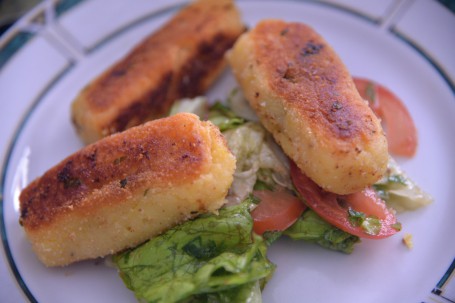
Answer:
(11, 142)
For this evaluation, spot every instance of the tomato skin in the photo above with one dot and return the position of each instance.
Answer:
(334, 208)
(401, 131)
(276, 211)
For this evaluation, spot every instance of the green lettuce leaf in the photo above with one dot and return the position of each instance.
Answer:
(213, 253)
(245, 143)
(198, 106)
(310, 227)
(399, 191)
(237, 102)
(223, 117)
(260, 162)
(247, 293)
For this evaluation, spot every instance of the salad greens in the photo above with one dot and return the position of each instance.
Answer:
(214, 256)
(310, 227)
(198, 106)
(223, 117)
(399, 191)
(371, 225)
(250, 292)
(257, 161)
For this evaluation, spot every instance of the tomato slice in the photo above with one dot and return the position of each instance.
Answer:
(276, 211)
(335, 208)
(400, 128)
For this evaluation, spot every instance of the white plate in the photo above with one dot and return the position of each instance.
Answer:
(377, 271)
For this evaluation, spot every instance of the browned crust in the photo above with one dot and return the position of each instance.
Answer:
(180, 60)
(309, 77)
(162, 153)
(305, 96)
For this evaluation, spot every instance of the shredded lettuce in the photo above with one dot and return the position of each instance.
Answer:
(310, 227)
(399, 191)
(213, 256)
(274, 165)
(245, 143)
(240, 106)
(197, 106)
(259, 162)
(223, 117)
(370, 224)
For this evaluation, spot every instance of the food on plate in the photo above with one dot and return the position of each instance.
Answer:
(339, 162)
(363, 214)
(277, 210)
(124, 189)
(181, 59)
(333, 221)
(407, 240)
(400, 129)
(399, 191)
(223, 258)
(308, 160)
(305, 96)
